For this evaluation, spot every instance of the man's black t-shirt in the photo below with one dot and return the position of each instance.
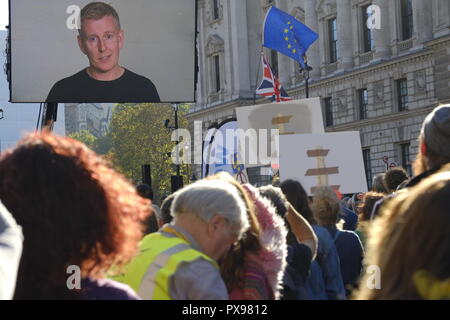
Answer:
(81, 87)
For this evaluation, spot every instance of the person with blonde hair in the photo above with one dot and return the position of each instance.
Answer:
(326, 210)
(410, 244)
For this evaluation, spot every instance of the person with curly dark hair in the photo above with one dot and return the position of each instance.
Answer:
(76, 213)
(394, 177)
(365, 210)
(378, 183)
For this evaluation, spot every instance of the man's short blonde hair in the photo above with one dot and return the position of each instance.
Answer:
(96, 11)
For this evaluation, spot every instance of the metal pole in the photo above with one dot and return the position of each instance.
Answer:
(49, 116)
(306, 71)
(307, 82)
(257, 73)
(178, 142)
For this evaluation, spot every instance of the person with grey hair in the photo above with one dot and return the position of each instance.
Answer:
(101, 38)
(434, 144)
(180, 261)
(326, 210)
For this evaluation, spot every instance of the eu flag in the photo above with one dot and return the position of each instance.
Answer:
(287, 35)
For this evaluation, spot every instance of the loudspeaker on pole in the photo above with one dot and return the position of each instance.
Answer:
(146, 174)
(176, 183)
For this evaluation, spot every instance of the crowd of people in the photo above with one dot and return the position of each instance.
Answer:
(64, 208)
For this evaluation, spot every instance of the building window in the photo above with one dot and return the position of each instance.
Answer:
(407, 19)
(368, 39)
(332, 34)
(216, 73)
(328, 112)
(274, 61)
(405, 156)
(367, 167)
(363, 103)
(215, 52)
(215, 5)
(82, 114)
(402, 94)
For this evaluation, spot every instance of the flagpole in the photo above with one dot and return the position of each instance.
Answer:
(257, 72)
(307, 82)
(306, 74)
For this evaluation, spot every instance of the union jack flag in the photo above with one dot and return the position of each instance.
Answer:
(270, 87)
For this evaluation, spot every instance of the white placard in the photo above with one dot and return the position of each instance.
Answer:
(222, 155)
(291, 117)
(330, 159)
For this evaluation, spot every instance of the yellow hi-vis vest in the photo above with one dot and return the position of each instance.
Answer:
(150, 271)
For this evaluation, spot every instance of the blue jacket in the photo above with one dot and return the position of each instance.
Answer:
(351, 254)
(325, 281)
(297, 272)
(350, 218)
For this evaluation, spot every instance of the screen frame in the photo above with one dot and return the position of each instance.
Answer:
(9, 57)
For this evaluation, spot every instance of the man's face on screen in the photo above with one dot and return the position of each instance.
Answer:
(101, 40)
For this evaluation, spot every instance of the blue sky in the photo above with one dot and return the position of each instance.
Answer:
(18, 117)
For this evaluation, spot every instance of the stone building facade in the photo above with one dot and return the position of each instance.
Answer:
(381, 81)
(93, 117)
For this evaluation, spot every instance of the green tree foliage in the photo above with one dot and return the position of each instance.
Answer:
(138, 137)
(84, 136)
(101, 145)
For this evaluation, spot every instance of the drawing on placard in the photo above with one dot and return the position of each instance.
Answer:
(322, 171)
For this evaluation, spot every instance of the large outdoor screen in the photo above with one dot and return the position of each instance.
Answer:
(74, 51)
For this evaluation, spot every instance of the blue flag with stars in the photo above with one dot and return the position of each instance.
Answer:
(287, 35)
